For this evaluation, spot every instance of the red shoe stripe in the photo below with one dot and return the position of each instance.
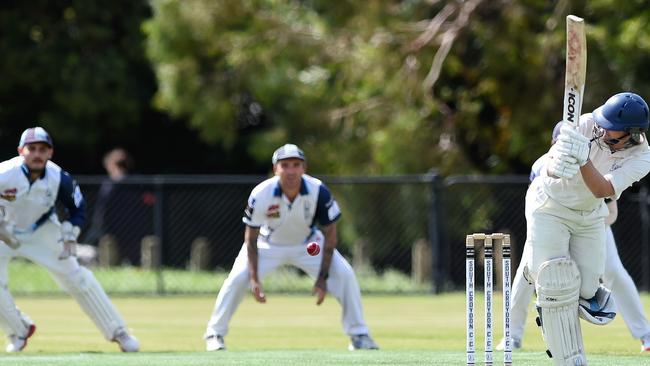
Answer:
(30, 332)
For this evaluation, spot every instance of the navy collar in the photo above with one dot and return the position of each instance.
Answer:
(277, 192)
(26, 171)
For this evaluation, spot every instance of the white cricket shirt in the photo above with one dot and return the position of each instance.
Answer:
(622, 168)
(30, 205)
(290, 223)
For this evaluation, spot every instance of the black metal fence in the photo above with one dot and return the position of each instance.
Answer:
(382, 219)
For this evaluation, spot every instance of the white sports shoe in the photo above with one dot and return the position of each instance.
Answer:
(514, 344)
(215, 343)
(127, 342)
(17, 344)
(362, 341)
(645, 343)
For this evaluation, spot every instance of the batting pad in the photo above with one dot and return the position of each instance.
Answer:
(12, 321)
(93, 300)
(558, 290)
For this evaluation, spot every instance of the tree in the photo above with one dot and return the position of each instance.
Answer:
(387, 87)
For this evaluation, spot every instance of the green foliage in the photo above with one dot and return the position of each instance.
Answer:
(378, 87)
(77, 68)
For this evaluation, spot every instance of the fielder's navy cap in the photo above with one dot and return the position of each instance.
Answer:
(35, 134)
(288, 151)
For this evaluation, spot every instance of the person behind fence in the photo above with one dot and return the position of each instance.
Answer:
(31, 186)
(119, 211)
(604, 154)
(616, 277)
(280, 220)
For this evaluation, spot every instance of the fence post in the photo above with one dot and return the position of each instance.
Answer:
(150, 252)
(108, 252)
(421, 262)
(435, 229)
(361, 256)
(200, 254)
(158, 229)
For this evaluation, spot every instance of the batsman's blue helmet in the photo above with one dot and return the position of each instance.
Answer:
(623, 112)
(35, 134)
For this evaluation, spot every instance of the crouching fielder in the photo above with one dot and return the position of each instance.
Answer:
(30, 188)
(565, 211)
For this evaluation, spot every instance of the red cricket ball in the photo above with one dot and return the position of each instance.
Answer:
(313, 248)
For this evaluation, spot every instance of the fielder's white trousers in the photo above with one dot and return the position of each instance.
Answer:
(624, 291)
(43, 247)
(342, 284)
(616, 279)
(556, 231)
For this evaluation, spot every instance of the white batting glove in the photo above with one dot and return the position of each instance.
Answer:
(7, 234)
(562, 165)
(69, 235)
(573, 143)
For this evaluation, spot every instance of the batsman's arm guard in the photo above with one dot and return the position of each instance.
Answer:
(558, 290)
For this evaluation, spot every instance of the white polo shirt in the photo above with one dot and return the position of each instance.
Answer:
(30, 205)
(622, 168)
(290, 223)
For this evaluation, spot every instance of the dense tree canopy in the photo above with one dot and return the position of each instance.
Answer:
(366, 87)
(385, 87)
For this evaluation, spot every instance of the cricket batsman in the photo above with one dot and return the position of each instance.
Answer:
(565, 212)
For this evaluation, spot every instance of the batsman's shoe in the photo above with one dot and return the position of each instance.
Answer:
(215, 343)
(362, 341)
(17, 344)
(645, 343)
(127, 342)
(514, 344)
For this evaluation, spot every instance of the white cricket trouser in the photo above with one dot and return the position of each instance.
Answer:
(342, 284)
(43, 247)
(616, 279)
(624, 291)
(556, 231)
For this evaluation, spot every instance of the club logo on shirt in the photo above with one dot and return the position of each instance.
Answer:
(614, 167)
(273, 212)
(9, 194)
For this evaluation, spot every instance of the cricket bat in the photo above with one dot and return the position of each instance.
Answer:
(576, 69)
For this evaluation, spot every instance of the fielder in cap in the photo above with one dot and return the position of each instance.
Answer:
(284, 214)
(566, 211)
(31, 186)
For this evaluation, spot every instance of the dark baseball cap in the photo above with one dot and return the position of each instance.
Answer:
(35, 134)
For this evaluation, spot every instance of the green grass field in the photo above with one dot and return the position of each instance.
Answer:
(290, 330)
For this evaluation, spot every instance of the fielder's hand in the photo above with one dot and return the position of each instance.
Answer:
(69, 250)
(562, 166)
(573, 143)
(69, 235)
(258, 293)
(7, 234)
(320, 290)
